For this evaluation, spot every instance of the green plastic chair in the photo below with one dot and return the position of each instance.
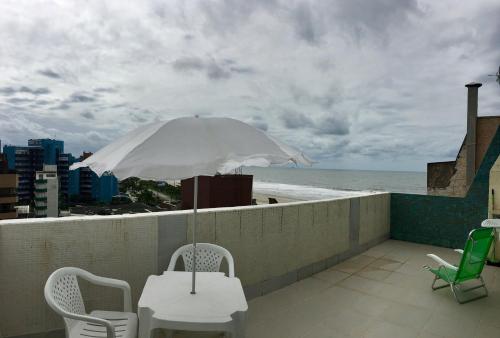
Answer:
(471, 265)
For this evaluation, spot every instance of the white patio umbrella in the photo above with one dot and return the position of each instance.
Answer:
(190, 147)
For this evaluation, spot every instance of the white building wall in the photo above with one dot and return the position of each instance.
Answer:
(52, 197)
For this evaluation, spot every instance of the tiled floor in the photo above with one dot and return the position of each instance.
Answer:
(382, 293)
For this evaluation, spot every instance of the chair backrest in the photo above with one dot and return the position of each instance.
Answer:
(208, 258)
(475, 253)
(63, 295)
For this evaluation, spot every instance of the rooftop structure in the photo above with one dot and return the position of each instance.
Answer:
(453, 178)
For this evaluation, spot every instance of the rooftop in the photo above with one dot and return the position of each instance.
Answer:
(309, 269)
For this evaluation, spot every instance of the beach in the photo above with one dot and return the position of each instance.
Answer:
(299, 184)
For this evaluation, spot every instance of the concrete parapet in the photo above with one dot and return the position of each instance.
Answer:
(272, 246)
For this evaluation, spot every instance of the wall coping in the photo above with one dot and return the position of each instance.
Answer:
(177, 212)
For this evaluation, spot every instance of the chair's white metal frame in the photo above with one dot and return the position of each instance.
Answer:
(64, 281)
(208, 258)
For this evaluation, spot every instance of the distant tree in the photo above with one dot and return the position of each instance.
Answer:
(147, 197)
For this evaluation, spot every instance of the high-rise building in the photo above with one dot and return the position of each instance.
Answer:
(26, 160)
(51, 149)
(8, 190)
(47, 192)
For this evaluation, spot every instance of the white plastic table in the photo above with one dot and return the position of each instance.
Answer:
(218, 305)
(491, 223)
(494, 255)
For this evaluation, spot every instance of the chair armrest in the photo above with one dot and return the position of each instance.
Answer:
(113, 283)
(441, 261)
(230, 264)
(460, 251)
(173, 259)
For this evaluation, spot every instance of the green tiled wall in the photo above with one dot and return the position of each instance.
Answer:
(444, 221)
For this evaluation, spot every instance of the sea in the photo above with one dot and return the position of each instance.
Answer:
(312, 183)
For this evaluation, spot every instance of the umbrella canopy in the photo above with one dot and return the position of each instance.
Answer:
(188, 147)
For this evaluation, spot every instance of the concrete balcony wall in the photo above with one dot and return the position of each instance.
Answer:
(272, 245)
(122, 247)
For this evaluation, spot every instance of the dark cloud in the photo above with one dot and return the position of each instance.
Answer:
(332, 125)
(105, 90)
(61, 106)
(7, 91)
(81, 98)
(188, 64)
(216, 72)
(304, 97)
(119, 105)
(212, 69)
(228, 16)
(244, 70)
(296, 120)
(305, 26)
(374, 17)
(42, 102)
(88, 115)
(49, 73)
(19, 100)
(34, 91)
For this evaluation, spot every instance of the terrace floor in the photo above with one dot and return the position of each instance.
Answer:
(383, 292)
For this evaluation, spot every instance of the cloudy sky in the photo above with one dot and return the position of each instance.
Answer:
(375, 84)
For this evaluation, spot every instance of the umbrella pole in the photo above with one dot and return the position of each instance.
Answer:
(195, 211)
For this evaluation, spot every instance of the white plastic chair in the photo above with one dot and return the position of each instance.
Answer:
(62, 293)
(208, 258)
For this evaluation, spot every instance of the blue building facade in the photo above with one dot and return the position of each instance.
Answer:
(51, 149)
(85, 184)
(104, 187)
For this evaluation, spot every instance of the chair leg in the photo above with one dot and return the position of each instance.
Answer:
(434, 287)
(456, 291)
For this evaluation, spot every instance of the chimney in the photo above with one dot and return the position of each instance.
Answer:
(470, 140)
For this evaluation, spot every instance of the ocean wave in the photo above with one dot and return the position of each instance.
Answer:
(302, 192)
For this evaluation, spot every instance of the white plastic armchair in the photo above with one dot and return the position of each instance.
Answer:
(63, 295)
(208, 258)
